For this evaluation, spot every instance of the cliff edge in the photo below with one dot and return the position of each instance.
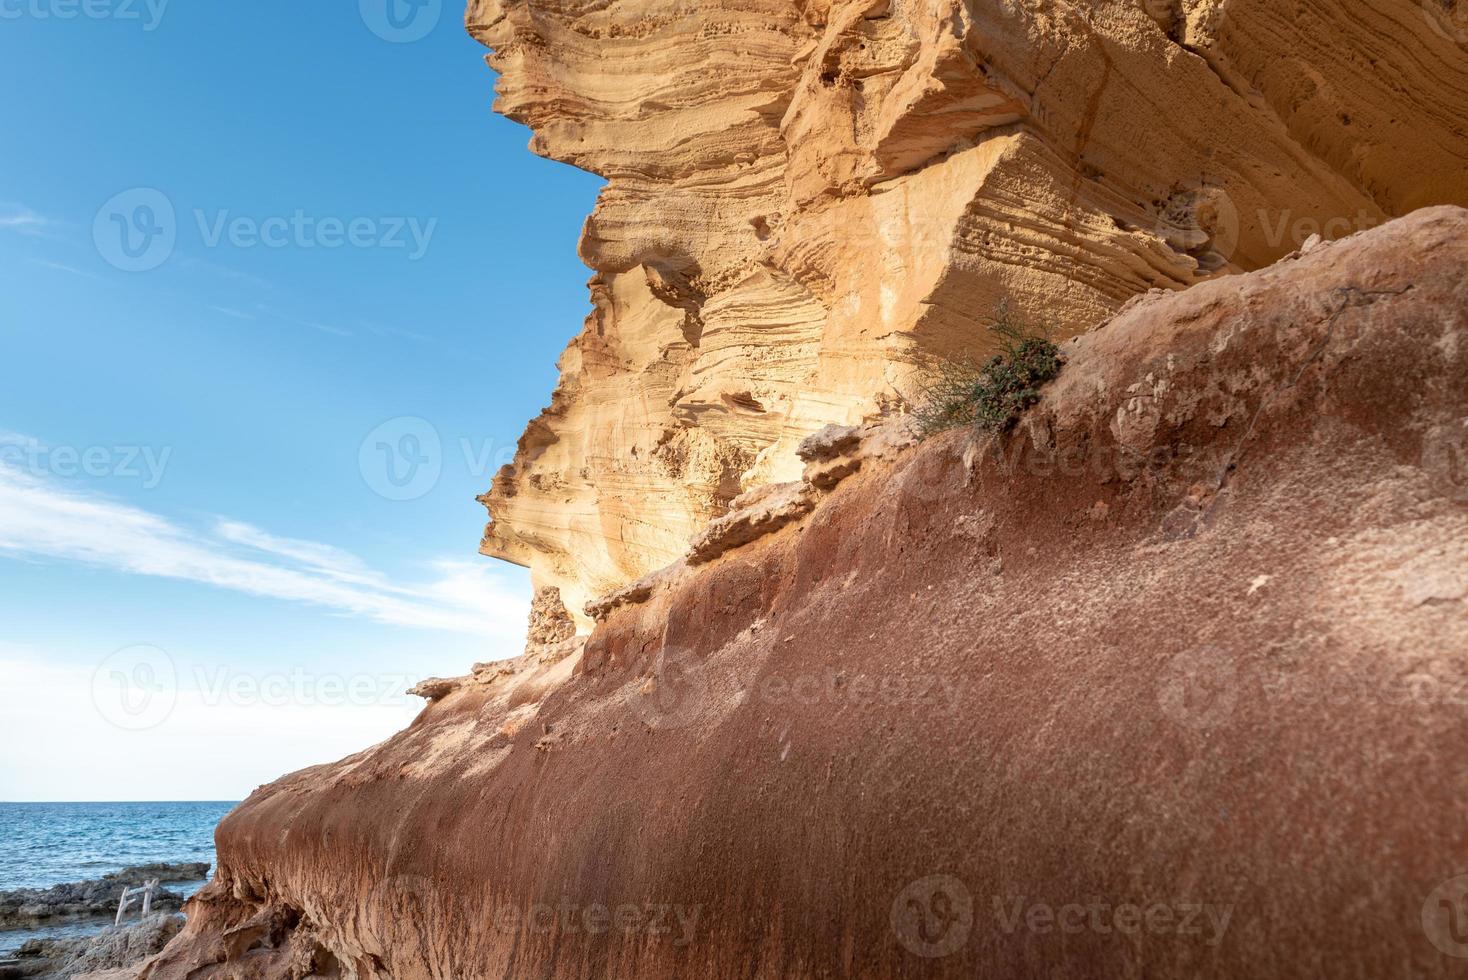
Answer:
(808, 201)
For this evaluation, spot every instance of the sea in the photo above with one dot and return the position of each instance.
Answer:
(45, 844)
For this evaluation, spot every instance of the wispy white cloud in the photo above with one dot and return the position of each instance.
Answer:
(63, 267)
(324, 557)
(196, 265)
(383, 330)
(296, 321)
(59, 267)
(21, 218)
(273, 314)
(42, 519)
(324, 328)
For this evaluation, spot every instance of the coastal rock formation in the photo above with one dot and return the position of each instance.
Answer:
(109, 955)
(26, 907)
(1165, 681)
(808, 200)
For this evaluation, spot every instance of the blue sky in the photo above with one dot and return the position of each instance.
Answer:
(278, 293)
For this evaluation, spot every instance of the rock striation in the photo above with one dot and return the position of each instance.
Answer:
(1165, 681)
(809, 200)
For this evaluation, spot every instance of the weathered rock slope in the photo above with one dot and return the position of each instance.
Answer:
(1190, 642)
(806, 198)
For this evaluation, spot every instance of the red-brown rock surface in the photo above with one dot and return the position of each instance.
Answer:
(1167, 682)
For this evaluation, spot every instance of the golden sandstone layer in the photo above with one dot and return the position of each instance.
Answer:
(808, 200)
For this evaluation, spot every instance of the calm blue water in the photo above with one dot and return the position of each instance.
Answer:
(44, 844)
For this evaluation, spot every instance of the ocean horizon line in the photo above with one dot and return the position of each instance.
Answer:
(104, 802)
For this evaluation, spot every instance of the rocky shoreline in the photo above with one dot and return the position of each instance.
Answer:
(113, 947)
(108, 954)
(25, 908)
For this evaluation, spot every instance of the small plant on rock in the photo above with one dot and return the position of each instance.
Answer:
(993, 395)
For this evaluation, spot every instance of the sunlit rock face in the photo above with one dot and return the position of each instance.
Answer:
(807, 199)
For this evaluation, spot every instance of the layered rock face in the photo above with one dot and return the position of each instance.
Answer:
(1167, 682)
(807, 200)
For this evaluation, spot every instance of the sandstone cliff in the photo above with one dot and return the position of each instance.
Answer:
(806, 198)
(1185, 652)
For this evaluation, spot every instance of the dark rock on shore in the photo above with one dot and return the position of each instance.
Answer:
(115, 947)
(28, 907)
(183, 871)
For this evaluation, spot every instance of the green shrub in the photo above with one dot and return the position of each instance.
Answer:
(993, 395)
